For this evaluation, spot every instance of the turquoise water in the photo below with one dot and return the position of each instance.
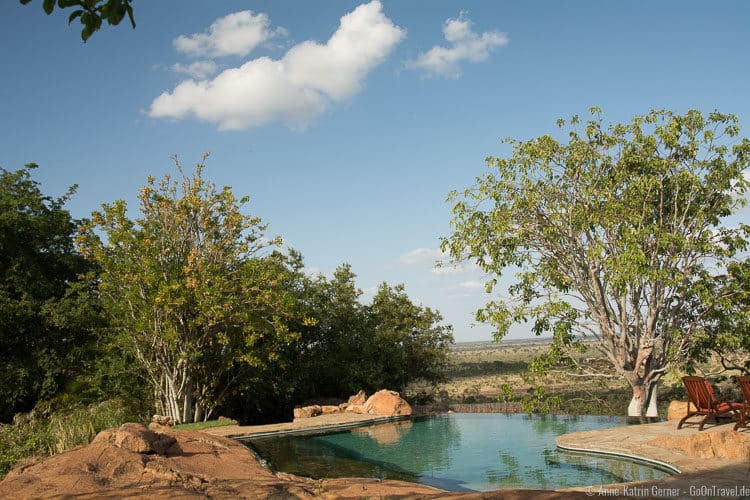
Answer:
(456, 452)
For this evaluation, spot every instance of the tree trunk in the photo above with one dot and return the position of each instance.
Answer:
(169, 400)
(644, 397)
(159, 400)
(187, 406)
(652, 410)
(635, 408)
(199, 413)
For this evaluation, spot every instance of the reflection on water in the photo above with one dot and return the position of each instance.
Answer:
(371, 451)
(459, 452)
(388, 433)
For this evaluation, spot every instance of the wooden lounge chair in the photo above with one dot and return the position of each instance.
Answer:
(743, 414)
(701, 395)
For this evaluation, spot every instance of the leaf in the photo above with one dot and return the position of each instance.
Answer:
(74, 15)
(48, 6)
(87, 31)
(129, 9)
(116, 16)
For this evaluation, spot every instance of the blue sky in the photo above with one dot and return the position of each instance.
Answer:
(348, 133)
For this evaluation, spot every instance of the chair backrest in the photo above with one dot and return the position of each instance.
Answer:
(700, 392)
(744, 383)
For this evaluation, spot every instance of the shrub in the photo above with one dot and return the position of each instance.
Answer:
(44, 432)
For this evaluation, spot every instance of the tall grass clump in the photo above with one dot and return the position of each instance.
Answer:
(45, 432)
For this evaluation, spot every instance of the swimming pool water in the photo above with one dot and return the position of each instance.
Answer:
(456, 452)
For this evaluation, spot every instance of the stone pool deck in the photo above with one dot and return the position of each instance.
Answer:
(313, 424)
(713, 463)
(707, 476)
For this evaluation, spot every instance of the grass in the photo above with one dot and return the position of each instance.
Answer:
(197, 426)
(45, 432)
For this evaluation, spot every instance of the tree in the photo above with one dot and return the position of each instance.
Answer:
(333, 346)
(48, 313)
(345, 345)
(91, 13)
(612, 232)
(187, 290)
(408, 342)
(724, 304)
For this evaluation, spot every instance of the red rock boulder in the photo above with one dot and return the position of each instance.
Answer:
(677, 410)
(307, 411)
(328, 409)
(718, 443)
(387, 404)
(137, 438)
(358, 399)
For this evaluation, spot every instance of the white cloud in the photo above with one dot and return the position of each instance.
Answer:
(236, 34)
(198, 69)
(421, 256)
(742, 200)
(368, 293)
(312, 272)
(293, 89)
(464, 45)
(439, 262)
(472, 285)
(446, 269)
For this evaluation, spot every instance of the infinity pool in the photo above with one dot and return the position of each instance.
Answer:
(456, 452)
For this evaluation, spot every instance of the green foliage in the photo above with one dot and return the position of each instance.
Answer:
(186, 289)
(410, 343)
(724, 304)
(334, 346)
(108, 372)
(187, 309)
(47, 308)
(611, 233)
(44, 431)
(91, 13)
(343, 345)
(538, 400)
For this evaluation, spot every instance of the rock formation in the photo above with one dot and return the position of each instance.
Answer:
(677, 410)
(307, 411)
(162, 420)
(137, 438)
(388, 404)
(358, 399)
(720, 443)
(383, 403)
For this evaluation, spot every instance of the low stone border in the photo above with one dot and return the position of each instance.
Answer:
(321, 429)
(320, 423)
(634, 458)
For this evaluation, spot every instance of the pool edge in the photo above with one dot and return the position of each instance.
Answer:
(323, 428)
(630, 456)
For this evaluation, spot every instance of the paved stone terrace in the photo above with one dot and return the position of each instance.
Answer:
(709, 477)
(319, 423)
